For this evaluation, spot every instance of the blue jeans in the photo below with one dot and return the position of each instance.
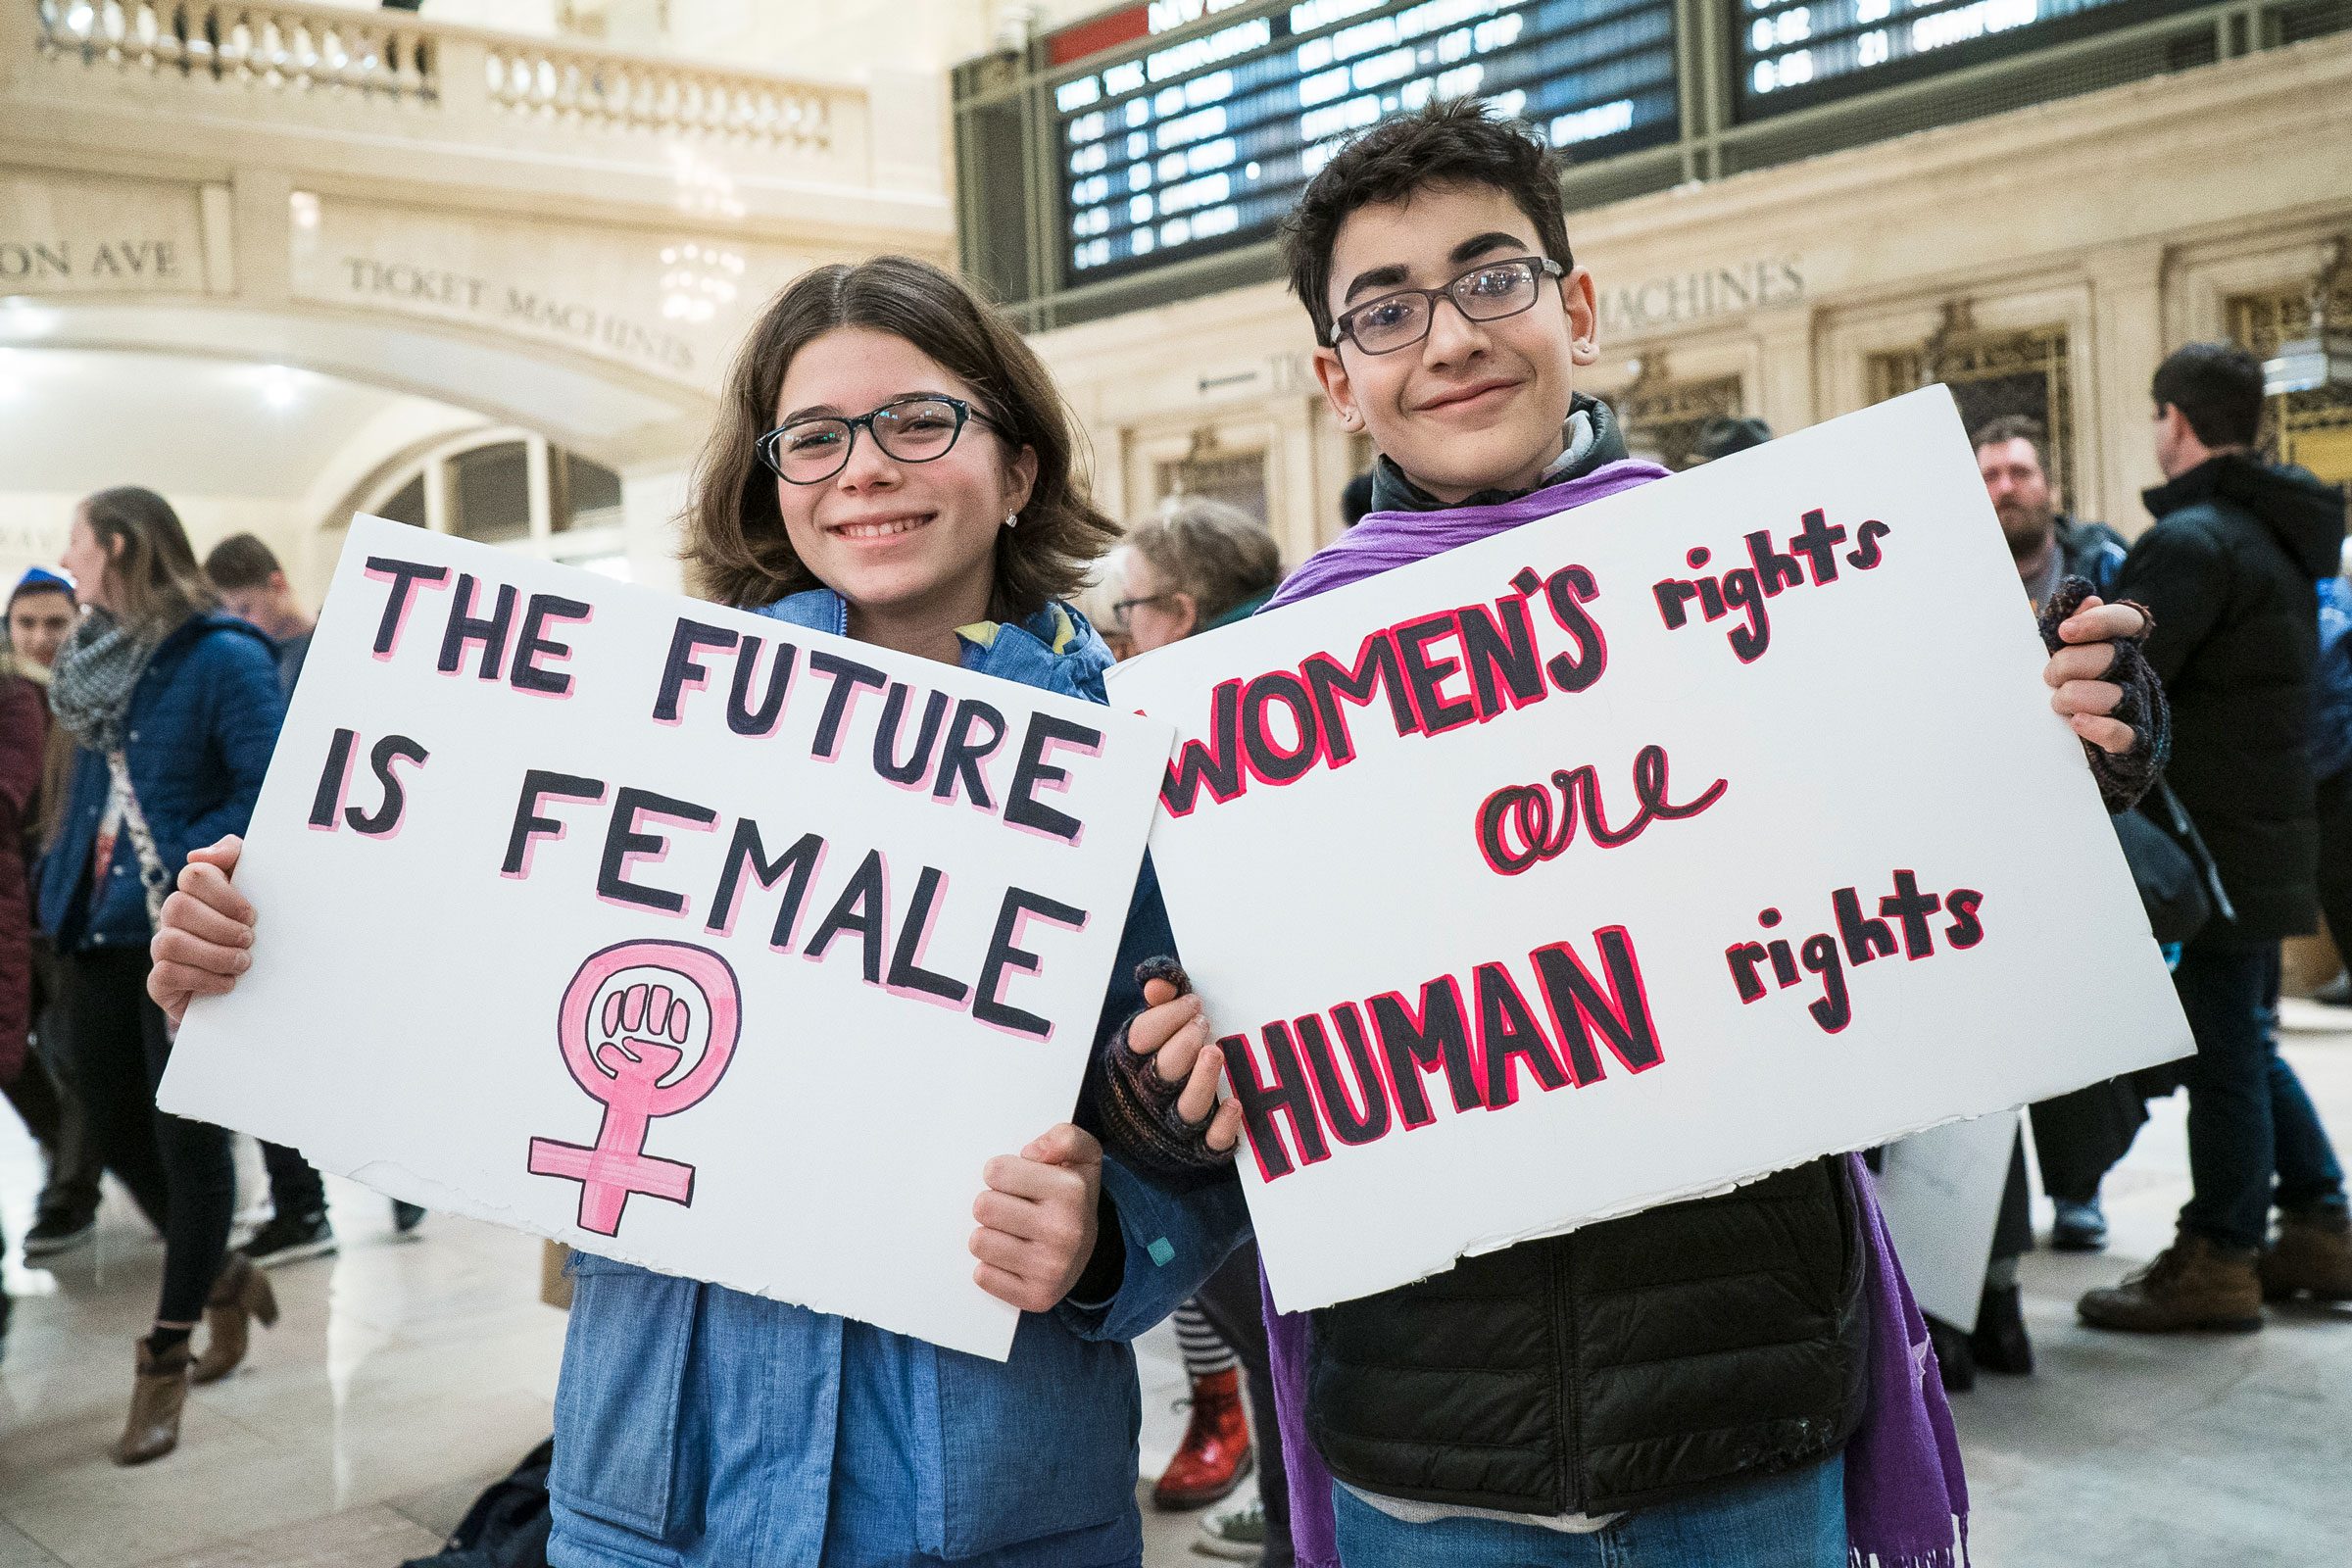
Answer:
(1795, 1520)
(2249, 1119)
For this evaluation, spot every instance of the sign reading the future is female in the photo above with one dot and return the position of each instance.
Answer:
(1636, 852)
(682, 935)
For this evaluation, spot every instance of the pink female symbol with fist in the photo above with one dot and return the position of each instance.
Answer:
(624, 1025)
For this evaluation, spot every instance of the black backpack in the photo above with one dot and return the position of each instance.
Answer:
(507, 1526)
(2179, 884)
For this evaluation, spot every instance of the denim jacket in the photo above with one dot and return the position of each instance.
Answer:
(699, 1425)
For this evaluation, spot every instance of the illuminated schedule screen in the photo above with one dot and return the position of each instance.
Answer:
(1793, 55)
(1204, 142)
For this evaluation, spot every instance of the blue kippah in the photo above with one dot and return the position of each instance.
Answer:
(41, 580)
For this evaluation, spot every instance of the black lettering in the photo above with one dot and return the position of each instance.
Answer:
(466, 627)
(1349, 1124)
(1740, 592)
(1033, 773)
(538, 785)
(987, 1006)
(1375, 670)
(863, 907)
(1774, 570)
(1866, 553)
(333, 781)
(1216, 762)
(757, 720)
(623, 840)
(681, 671)
(1912, 907)
(907, 972)
(1833, 1011)
(912, 771)
(1498, 647)
(1267, 758)
(1818, 543)
(1507, 1032)
(1423, 674)
(1286, 1096)
(527, 675)
(748, 851)
(1416, 1042)
(967, 749)
(849, 677)
(1579, 1006)
(385, 821)
(404, 577)
(1962, 904)
(1865, 940)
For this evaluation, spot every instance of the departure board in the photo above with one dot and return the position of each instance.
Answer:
(1794, 55)
(1188, 126)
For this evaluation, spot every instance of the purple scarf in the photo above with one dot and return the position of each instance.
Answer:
(1907, 1499)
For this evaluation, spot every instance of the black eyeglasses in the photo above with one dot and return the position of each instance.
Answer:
(911, 429)
(1121, 608)
(1488, 292)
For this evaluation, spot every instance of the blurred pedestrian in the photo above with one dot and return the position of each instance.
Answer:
(251, 585)
(40, 613)
(175, 709)
(2230, 572)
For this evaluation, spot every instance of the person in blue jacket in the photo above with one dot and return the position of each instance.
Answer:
(175, 709)
(891, 465)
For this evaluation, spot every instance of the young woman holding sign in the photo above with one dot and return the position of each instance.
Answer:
(175, 708)
(891, 465)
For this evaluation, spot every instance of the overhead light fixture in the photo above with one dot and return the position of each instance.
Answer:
(2324, 358)
(2309, 364)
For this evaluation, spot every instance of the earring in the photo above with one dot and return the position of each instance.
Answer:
(1012, 519)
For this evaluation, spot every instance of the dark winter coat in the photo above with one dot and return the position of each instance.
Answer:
(2229, 571)
(2092, 550)
(1624, 1364)
(24, 735)
(202, 723)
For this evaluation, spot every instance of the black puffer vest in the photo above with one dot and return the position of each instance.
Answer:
(1615, 1367)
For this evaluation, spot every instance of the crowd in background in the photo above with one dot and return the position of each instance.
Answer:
(145, 690)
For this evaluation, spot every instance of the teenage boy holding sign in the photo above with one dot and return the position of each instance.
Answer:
(1686, 1386)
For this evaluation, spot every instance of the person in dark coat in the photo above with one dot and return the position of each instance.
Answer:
(41, 613)
(2229, 571)
(175, 709)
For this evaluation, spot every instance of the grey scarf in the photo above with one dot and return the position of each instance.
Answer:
(96, 671)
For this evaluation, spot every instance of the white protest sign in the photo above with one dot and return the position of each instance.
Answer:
(1638, 851)
(1940, 1191)
(677, 933)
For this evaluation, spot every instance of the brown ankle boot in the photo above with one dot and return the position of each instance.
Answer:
(157, 1394)
(241, 1292)
(2312, 1253)
(2193, 1284)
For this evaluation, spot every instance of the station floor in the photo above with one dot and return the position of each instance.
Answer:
(406, 1373)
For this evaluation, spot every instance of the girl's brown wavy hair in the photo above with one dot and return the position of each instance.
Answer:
(736, 550)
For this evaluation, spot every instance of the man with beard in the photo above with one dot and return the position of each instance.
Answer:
(2013, 456)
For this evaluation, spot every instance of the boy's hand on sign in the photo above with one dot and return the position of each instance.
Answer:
(205, 939)
(2076, 673)
(1173, 1031)
(1037, 1219)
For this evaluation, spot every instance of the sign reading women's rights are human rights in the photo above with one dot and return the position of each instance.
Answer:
(1638, 851)
(683, 935)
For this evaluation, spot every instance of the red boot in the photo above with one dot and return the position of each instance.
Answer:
(1215, 1452)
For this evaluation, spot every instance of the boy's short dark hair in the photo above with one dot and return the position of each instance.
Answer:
(1463, 142)
(2218, 389)
(2010, 427)
(240, 562)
